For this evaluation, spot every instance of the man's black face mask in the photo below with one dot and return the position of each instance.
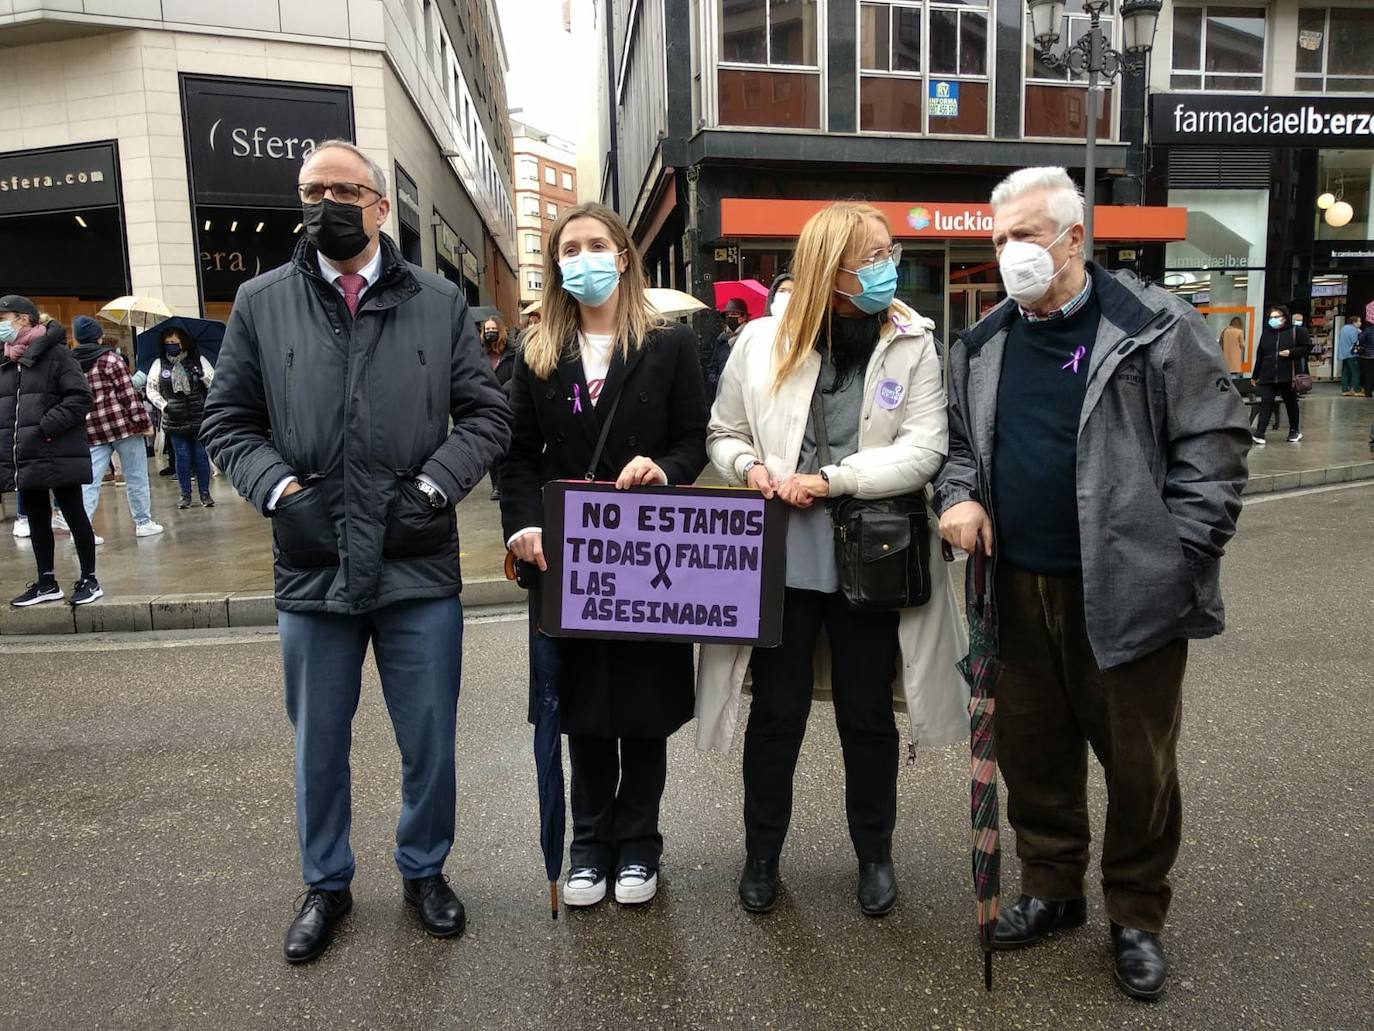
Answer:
(335, 229)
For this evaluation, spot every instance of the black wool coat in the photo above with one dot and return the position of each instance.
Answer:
(1269, 367)
(611, 688)
(44, 398)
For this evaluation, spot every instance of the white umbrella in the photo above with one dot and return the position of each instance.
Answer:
(671, 303)
(135, 311)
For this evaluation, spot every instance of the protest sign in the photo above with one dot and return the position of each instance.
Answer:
(663, 563)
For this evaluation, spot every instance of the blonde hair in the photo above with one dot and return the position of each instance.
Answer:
(821, 247)
(559, 315)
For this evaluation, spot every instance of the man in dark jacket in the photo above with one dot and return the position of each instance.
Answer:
(330, 411)
(735, 315)
(1097, 449)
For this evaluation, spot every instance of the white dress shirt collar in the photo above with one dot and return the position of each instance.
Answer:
(370, 272)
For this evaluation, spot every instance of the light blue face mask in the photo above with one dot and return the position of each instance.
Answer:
(590, 278)
(7, 331)
(877, 286)
(1276, 323)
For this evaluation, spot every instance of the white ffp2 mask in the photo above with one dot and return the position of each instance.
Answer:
(1027, 269)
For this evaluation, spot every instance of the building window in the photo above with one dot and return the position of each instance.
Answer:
(568, 181)
(941, 87)
(527, 170)
(551, 210)
(779, 34)
(1218, 48)
(534, 280)
(1056, 99)
(550, 176)
(1335, 50)
(532, 243)
(428, 16)
(529, 206)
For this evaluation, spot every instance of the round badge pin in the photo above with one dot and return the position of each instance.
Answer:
(890, 394)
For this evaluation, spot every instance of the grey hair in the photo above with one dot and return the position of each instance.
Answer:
(1063, 203)
(375, 170)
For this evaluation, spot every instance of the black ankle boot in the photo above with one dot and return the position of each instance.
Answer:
(877, 888)
(758, 885)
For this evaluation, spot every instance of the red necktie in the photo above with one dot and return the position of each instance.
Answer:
(352, 286)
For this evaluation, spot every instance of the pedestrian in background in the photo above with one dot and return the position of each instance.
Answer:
(353, 407)
(1105, 545)
(872, 365)
(1367, 358)
(1233, 345)
(735, 316)
(117, 424)
(1281, 354)
(778, 295)
(1348, 355)
(44, 399)
(178, 383)
(604, 365)
(502, 359)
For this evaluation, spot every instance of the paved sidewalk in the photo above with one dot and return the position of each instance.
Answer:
(214, 567)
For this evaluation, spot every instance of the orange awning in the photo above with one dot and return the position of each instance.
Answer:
(742, 217)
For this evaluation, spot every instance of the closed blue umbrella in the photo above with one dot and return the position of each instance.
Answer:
(207, 334)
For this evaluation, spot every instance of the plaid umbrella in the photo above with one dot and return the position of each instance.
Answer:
(981, 669)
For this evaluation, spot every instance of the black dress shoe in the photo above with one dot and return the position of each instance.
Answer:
(877, 888)
(1029, 920)
(440, 911)
(168, 471)
(309, 933)
(1140, 964)
(758, 885)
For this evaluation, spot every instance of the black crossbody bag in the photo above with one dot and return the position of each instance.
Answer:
(882, 546)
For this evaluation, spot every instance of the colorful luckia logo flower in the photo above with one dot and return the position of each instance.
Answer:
(918, 218)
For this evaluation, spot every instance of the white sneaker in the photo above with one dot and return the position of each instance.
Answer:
(99, 540)
(586, 886)
(21, 527)
(148, 529)
(59, 523)
(1259, 441)
(635, 883)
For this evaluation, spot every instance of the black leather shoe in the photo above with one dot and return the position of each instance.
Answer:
(1140, 964)
(309, 934)
(1029, 920)
(440, 911)
(758, 885)
(877, 888)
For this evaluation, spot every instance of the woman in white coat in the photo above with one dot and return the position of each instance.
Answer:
(875, 365)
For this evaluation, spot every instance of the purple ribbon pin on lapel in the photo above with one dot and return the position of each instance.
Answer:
(577, 397)
(1078, 354)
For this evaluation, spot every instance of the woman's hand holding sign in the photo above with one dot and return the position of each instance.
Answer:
(640, 471)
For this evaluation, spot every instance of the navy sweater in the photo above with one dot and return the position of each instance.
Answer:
(1035, 452)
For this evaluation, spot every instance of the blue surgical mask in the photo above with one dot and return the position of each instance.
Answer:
(1276, 323)
(877, 286)
(173, 350)
(7, 331)
(590, 278)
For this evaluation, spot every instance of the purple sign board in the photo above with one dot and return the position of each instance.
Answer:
(663, 563)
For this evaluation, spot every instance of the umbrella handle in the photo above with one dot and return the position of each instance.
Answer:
(553, 899)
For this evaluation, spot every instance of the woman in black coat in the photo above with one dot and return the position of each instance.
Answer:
(44, 398)
(496, 344)
(601, 352)
(1280, 354)
(178, 384)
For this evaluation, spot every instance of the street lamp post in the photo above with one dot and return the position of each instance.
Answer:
(1090, 53)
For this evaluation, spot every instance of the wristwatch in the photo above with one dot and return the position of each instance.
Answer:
(825, 476)
(436, 500)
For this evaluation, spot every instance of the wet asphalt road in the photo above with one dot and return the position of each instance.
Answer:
(147, 850)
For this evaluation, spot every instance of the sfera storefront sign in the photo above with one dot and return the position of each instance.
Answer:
(246, 138)
(1226, 120)
(58, 179)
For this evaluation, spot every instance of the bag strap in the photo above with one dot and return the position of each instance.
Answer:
(818, 422)
(601, 440)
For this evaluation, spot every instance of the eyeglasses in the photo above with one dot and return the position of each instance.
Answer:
(342, 193)
(894, 253)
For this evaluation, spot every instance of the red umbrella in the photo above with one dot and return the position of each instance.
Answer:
(753, 293)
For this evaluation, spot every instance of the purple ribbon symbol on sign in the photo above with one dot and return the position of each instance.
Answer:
(577, 397)
(1078, 354)
(662, 556)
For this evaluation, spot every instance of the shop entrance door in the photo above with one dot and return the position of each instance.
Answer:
(970, 302)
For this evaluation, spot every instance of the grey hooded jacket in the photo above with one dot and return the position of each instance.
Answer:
(355, 408)
(1162, 443)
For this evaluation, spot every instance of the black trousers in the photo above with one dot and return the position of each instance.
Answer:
(1367, 375)
(864, 652)
(1269, 392)
(39, 510)
(617, 787)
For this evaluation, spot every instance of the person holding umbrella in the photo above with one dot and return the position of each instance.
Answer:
(44, 398)
(849, 361)
(735, 316)
(604, 389)
(1101, 546)
(178, 383)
